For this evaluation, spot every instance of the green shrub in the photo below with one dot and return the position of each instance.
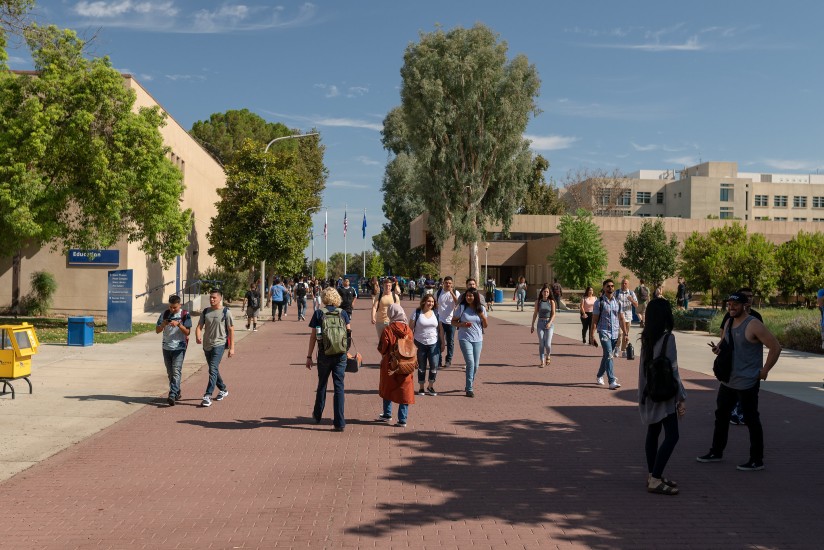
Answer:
(232, 283)
(40, 299)
(573, 299)
(801, 335)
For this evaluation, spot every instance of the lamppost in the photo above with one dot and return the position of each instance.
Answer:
(312, 236)
(486, 261)
(266, 150)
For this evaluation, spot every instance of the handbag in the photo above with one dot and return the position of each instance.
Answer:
(353, 362)
(722, 366)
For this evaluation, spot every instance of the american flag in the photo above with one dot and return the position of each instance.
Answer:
(324, 230)
(345, 223)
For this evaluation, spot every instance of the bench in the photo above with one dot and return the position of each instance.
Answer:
(700, 316)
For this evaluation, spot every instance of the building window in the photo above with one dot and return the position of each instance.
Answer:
(603, 198)
(818, 202)
(726, 195)
(761, 200)
(818, 219)
(779, 219)
(726, 213)
(659, 198)
(780, 201)
(642, 197)
(799, 219)
(624, 198)
(799, 202)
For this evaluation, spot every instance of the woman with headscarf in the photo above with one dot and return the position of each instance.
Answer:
(395, 388)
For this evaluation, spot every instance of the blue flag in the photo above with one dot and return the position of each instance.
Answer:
(364, 225)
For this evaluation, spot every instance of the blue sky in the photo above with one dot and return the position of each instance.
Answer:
(627, 85)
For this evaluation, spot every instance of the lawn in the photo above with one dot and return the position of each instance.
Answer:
(795, 328)
(54, 330)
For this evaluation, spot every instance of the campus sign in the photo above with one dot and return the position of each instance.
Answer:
(94, 257)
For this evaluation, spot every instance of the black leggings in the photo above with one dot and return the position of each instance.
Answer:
(657, 457)
(585, 324)
(279, 306)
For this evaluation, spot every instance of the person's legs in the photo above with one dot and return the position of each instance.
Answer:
(724, 403)
(324, 370)
(651, 444)
(379, 329)
(623, 337)
(213, 357)
(584, 328)
(422, 355)
(177, 357)
(434, 362)
(387, 408)
(167, 360)
(468, 354)
(548, 343)
(403, 413)
(607, 345)
(543, 332)
(274, 309)
(338, 374)
(670, 424)
(301, 308)
(449, 336)
(280, 309)
(749, 407)
(476, 362)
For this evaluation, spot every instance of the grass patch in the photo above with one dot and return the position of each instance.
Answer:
(55, 330)
(797, 329)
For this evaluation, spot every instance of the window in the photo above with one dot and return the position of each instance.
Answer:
(780, 201)
(818, 219)
(799, 202)
(659, 198)
(624, 198)
(818, 202)
(779, 219)
(642, 197)
(799, 219)
(727, 192)
(726, 213)
(761, 200)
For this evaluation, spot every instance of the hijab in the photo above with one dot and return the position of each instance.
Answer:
(396, 314)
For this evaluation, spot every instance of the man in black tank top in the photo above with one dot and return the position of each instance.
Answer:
(748, 335)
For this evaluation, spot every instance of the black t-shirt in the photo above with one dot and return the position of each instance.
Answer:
(347, 296)
(682, 291)
(252, 299)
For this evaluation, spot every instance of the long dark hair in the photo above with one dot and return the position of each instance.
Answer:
(657, 320)
(476, 303)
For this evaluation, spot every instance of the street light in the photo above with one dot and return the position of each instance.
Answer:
(312, 236)
(263, 262)
(486, 261)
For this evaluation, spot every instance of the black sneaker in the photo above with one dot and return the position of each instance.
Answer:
(338, 428)
(431, 391)
(709, 457)
(384, 417)
(470, 394)
(751, 466)
(170, 400)
(177, 397)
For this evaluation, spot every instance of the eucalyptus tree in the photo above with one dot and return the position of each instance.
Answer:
(465, 107)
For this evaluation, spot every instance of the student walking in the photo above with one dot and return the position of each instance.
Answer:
(395, 387)
(447, 298)
(216, 331)
(380, 304)
(605, 321)
(657, 341)
(545, 314)
(278, 294)
(175, 323)
(587, 304)
(251, 305)
(471, 321)
(429, 339)
(520, 294)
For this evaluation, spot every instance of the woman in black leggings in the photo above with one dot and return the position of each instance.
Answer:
(587, 303)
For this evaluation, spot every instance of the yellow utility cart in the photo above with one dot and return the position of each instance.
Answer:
(18, 343)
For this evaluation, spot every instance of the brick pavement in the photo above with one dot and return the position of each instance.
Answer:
(541, 458)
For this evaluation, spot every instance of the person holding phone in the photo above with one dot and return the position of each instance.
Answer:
(471, 321)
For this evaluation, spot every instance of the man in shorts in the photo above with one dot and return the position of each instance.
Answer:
(626, 299)
(251, 305)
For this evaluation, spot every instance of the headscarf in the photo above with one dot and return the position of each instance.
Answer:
(396, 314)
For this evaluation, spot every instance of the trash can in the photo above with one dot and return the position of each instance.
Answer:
(499, 296)
(81, 331)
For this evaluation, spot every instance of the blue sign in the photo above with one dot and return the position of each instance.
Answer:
(94, 257)
(119, 307)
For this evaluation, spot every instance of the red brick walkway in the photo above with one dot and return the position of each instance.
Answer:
(541, 458)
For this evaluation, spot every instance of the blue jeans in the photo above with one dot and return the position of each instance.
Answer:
(472, 356)
(174, 364)
(607, 345)
(403, 411)
(430, 353)
(520, 296)
(336, 366)
(301, 307)
(213, 357)
(449, 336)
(545, 338)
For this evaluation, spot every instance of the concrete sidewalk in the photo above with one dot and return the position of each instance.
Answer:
(541, 458)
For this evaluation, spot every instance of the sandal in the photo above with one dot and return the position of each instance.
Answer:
(669, 482)
(662, 489)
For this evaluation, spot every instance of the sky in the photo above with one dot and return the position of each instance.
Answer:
(624, 85)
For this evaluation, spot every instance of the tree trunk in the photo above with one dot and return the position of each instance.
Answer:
(474, 267)
(15, 282)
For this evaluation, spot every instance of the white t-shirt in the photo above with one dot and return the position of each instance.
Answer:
(426, 329)
(446, 305)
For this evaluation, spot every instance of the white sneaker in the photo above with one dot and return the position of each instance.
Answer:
(207, 401)
(600, 380)
(221, 395)
(615, 385)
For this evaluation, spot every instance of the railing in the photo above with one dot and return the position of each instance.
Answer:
(158, 287)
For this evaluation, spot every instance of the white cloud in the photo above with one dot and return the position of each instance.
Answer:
(357, 91)
(317, 120)
(685, 160)
(550, 143)
(343, 184)
(332, 91)
(792, 164)
(367, 161)
(186, 77)
(650, 147)
(102, 9)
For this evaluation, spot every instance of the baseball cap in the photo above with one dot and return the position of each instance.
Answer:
(737, 297)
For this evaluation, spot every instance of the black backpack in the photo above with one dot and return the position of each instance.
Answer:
(661, 382)
(300, 290)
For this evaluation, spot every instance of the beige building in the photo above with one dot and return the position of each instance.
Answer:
(83, 289)
(778, 206)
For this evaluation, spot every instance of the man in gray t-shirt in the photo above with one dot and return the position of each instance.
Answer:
(216, 332)
(175, 323)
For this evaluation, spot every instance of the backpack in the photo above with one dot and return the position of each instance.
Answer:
(661, 382)
(183, 315)
(225, 320)
(643, 293)
(254, 302)
(403, 359)
(333, 331)
(300, 290)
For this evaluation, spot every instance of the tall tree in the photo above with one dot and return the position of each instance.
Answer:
(465, 107)
(541, 198)
(79, 168)
(649, 254)
(261, 215)
(801, 261)
(580, 259)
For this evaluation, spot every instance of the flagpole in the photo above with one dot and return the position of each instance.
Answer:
(364, 244)
(326, 242)
(345, 221)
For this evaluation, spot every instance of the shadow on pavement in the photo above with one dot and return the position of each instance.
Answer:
(143, 400)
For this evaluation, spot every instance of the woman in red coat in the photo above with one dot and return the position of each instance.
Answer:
(395, 388)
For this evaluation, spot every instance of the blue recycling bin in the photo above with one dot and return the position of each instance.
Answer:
(81, 331)
(499, 296)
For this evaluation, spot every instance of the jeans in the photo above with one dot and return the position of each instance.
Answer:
(301, 307)
(278, 305)
(336, 366)
(557, 303)
(472, 357)
(545, 338)
(213, 357)
(428, 352)
(520, 296)
(607, 345)
(174, 364)
(403, 411)
(449, 336)
(657, 457)
(724, 403)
